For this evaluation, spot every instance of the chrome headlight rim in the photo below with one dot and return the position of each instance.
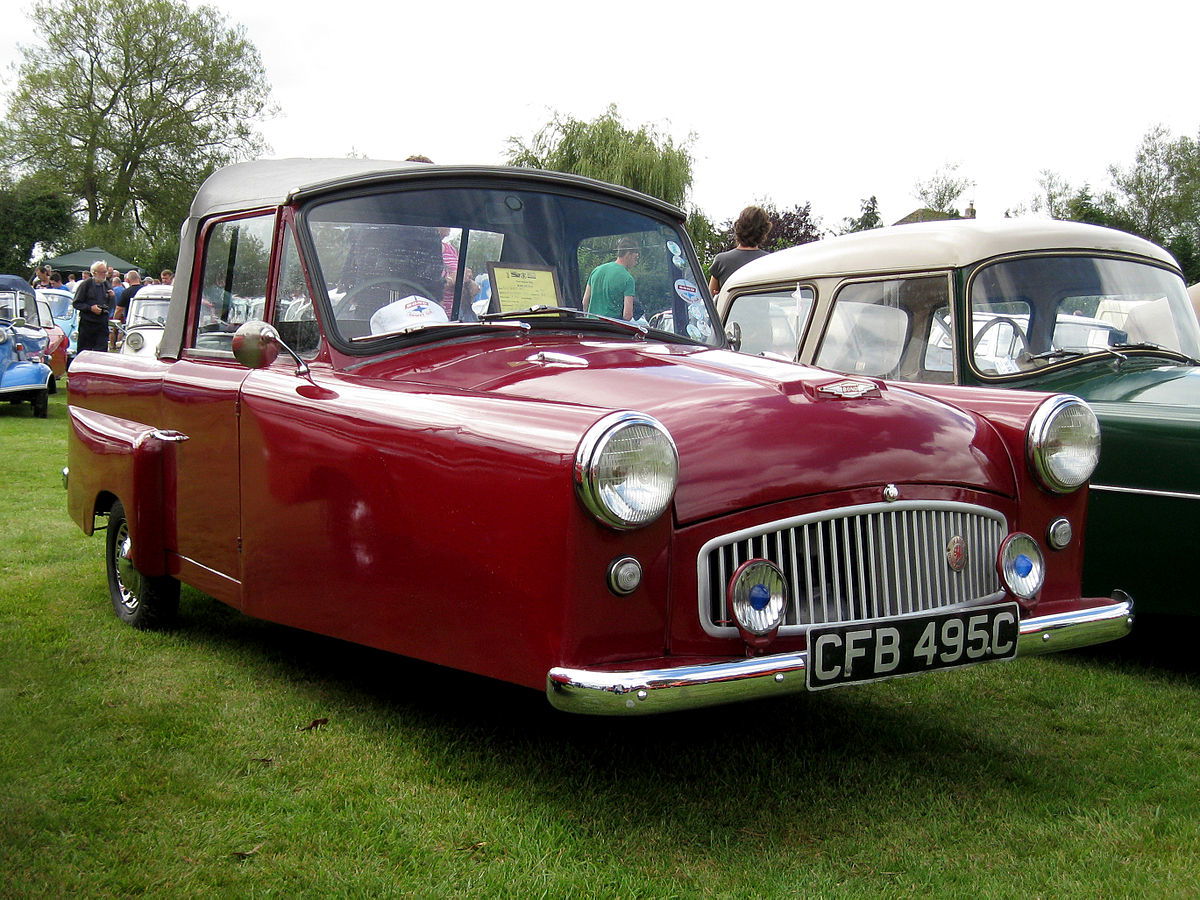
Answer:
(1037, 450)
(1024, 586)
(135, 340)
(586, 471)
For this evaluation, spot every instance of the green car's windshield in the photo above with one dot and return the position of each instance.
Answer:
(1029, 312)
(404, 261)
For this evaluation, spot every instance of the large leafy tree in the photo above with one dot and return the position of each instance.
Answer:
(33, 212)
(867, 219)
(133, 103)
(606, 149)
(1156, 197)
(941, 191)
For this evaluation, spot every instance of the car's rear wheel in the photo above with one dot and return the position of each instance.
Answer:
(41, 404)
(139, 600)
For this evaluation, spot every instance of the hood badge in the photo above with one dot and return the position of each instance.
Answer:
(850, 389)
(891, 493)
(956, 554)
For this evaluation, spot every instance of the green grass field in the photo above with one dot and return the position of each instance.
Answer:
(180, 763)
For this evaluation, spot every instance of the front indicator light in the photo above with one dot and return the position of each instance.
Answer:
(624, 576)
(1022, 568)
(1059, 534)
(758, 597)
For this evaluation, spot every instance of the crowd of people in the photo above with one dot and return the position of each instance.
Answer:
(102, 297)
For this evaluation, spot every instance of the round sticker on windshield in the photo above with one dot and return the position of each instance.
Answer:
(678, 261)
(687, 290)
(674, 248)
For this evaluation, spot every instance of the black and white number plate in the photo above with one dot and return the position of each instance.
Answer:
(884, 648)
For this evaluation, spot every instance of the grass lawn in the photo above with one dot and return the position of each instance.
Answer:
(179, 763)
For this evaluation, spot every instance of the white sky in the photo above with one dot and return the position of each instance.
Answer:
(788, 101)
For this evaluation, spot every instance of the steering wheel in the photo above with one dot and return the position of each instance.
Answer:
(1001, 320)
(403, 286)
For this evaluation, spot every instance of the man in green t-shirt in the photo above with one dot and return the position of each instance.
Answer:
(610, 287)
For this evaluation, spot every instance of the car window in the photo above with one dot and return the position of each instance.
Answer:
(294, 316)
(399, 262)
(237, 255)
(771, 321)
(1077, 303)
(885, 328)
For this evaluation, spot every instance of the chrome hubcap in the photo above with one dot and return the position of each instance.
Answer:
(129, 580)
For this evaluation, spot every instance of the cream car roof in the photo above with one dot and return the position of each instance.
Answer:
(936, 245)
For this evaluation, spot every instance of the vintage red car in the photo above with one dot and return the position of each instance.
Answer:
(380, 412)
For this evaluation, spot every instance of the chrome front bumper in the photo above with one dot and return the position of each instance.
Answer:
(616, 693)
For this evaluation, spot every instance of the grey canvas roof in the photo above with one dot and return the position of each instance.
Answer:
(273, 182)
(937, 245)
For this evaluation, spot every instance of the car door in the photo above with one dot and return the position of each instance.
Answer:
(201, 401)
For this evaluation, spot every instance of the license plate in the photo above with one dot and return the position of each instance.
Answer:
(857, 652)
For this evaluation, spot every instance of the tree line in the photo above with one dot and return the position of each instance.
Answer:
(128, 105)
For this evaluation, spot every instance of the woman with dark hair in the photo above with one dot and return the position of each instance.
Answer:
(750, 230)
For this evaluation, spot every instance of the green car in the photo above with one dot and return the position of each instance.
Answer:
(1033, 305)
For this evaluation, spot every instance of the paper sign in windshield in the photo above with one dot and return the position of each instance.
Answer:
(520, 287)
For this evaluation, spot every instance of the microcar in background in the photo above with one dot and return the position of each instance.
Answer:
(24, 374)
(145, 320)
(65, 315)
(345, 431)
(1029, 304)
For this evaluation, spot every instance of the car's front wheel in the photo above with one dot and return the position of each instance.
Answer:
(139, 600)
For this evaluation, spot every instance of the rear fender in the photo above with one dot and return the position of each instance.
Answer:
(109, 457)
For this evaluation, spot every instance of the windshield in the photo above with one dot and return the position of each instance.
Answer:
(59, 301)
(1027, 313)
(148, 312)
(14, 304)
(406, 261)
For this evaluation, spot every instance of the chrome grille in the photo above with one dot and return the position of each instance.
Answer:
(863, 562)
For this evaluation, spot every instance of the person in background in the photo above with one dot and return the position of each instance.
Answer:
(133, 279)
(166, 276)
(750, 230)
(610, 287)
(56, 280)
(72, 280)
(94, 300)
(41, 278)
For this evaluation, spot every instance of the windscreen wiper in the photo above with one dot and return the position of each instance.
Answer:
(567, 312)
(1147, 345)
(437, 326)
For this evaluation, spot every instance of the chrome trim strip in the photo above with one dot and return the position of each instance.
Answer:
(1178, 495)
(604, 692)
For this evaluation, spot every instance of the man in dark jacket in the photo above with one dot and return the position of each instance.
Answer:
(94, 300)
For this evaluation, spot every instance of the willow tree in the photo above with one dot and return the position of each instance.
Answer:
(604, 148)
(132, 103)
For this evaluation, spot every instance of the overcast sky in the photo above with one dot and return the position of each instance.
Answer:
(790, 102)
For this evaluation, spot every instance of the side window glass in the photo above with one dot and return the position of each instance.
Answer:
(772, 321)
(236, 257)
(294, 317)
(886, 329)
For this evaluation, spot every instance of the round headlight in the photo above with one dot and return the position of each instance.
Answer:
(757, 596)
(1063, 443)
(626, 468)
(135, 340)
(1022, 568)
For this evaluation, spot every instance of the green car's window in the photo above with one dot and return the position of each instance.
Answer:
(1031, 312)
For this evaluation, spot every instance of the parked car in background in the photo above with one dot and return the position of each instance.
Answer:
(1028, 304)
(632, 519)
(145, 319)
(24, 376)
(65, 315)
(55, 355)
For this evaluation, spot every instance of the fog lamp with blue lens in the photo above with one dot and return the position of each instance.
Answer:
(757, 595)
(1022, 567)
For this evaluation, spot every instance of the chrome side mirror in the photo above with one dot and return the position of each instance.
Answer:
(733, 334)
(256, 345)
